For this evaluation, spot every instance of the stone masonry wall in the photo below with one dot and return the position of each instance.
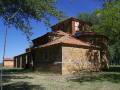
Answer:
(76, 59)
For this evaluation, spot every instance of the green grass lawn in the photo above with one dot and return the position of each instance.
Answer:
(22, 80)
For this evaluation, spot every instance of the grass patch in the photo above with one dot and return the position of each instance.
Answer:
(113, 68)
(22, 86)
(97, 77)
(37, 81)
(16, 70)
(20, 79)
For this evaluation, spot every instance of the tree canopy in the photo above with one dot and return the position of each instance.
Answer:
(18, 13)
(107, 21)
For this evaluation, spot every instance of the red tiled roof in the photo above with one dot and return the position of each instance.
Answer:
(59, 32)
(8, 59)
(67, 39)
(91, 33)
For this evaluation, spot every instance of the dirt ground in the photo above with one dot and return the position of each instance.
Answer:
(22, 80)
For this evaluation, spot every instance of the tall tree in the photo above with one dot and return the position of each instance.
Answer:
(109, 25)
(107, 21)
(25, 10)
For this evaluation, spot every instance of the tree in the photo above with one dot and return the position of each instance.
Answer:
(85, 17)
(26, 10)
(107, 21)
(109, 25)
(19, 13)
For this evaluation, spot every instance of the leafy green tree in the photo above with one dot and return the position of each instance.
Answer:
(27, 10)
(109, 25)
(85, 17)
(92, 18)
(107, 21)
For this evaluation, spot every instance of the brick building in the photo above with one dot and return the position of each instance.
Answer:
(70, 47)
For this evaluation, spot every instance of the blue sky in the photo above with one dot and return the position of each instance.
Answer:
(16, 40)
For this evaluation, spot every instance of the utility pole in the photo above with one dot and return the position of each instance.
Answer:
(6, 31)
(4, 48)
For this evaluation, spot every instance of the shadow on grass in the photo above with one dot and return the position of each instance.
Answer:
(22, 86)
(7, 78)
(9, 74)
(15, 71)
(110, 77)
(115, 68)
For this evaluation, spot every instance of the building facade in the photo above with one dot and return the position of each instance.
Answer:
(8, 63)
(71, 47)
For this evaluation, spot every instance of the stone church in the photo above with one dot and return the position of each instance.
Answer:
(69, 48)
